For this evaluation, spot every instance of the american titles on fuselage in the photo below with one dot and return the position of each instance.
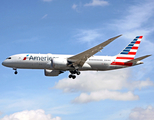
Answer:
(39, 58)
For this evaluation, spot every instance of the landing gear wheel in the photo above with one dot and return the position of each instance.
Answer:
(15, 72)
(75, 72)
(78, 72)
(72, 76)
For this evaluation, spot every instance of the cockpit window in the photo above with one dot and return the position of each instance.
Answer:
(8, 58)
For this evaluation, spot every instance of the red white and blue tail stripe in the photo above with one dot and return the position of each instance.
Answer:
(128, 53)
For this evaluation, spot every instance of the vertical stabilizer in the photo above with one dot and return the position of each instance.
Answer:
(130, 51)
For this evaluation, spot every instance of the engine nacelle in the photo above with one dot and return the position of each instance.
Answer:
(59, 63)
(51, 72)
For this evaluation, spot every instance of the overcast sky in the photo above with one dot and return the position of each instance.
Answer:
(70, 27)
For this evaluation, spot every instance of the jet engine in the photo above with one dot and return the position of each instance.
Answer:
(59, 63)
(51, 72)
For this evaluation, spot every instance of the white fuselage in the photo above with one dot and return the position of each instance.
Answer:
(58, 62)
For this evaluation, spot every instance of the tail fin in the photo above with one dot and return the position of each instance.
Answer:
(130, 51)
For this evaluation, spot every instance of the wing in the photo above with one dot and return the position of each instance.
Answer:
(138, 59)
(79, 59)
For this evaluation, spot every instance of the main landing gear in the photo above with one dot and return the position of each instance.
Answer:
(74, 72)
(72, 76)
(15, 71)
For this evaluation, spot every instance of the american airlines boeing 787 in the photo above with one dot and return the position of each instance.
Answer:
(54, 64)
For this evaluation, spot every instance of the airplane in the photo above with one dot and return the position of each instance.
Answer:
(55, 64)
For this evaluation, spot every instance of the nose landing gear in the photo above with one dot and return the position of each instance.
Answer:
(15, 71)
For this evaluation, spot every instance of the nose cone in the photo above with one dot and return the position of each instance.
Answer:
(4, 63)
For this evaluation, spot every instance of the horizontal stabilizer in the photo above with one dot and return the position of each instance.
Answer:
(138, 59)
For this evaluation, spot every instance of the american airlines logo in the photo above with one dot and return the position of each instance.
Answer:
(38, 58)
(25, 57)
